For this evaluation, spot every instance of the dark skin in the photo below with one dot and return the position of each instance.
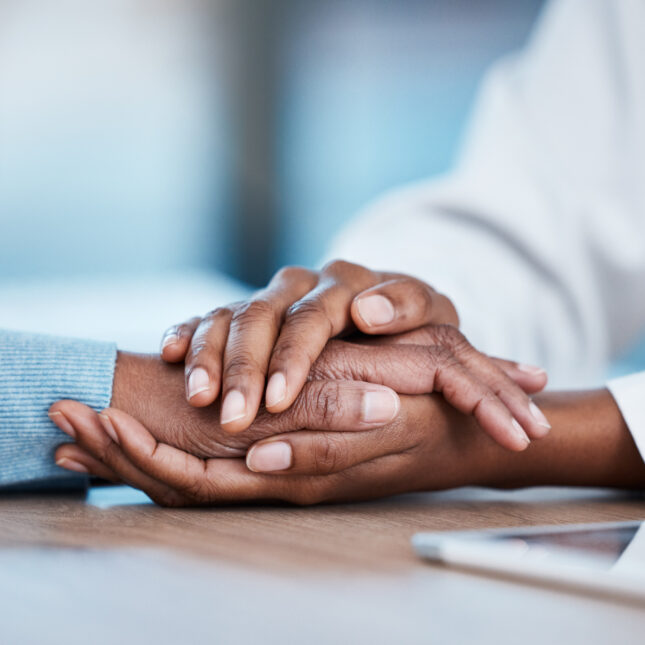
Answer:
(275, 336)
(343, 432)
(413, 363)
(274, 339)
(428, 446)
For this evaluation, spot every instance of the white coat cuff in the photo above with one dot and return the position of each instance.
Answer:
(629, 394)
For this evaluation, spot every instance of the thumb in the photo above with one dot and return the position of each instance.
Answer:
(335, 405)
(401, 305)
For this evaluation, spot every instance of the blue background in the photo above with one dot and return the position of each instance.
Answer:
(118, 151)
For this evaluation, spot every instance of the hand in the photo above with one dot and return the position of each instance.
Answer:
(433, 358)
(152, 392)
(281, 331)
(429, 446)
(427, 453)
(439, 359)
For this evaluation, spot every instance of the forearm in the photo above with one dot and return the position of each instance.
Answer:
(589, 445)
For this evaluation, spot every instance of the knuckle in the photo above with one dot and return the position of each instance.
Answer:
(308, 311)
(184, 330)
(487, 397)
(219, 312)
(440, 356)
(196, 356)
(451, 337)
(212, 318)
(446, 370)
(284, 352)
(451, 390)
(200, 348)
(500, 385)
(306, 308)
(252, 311)
(199, 345)
(317, 403)
(336, 266)
(326, 402)
(294, 274)
(242, 364)
(326, 453)
(339, 268)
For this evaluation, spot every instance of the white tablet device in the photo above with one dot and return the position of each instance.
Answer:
(606, 558)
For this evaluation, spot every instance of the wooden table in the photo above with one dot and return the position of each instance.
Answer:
(113, 568)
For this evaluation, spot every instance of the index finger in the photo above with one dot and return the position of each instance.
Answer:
(252, 334)
(309, 323)
(201, 481)
(89, 432)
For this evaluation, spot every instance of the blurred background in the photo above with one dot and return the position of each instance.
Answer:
(158, 157)
(142, 136)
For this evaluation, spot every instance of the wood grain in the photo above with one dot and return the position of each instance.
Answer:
(269, 557)
(361, 536)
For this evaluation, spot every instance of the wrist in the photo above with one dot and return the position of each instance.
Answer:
(138, 378)
(589, 445)
(124, 380)
(153, 392)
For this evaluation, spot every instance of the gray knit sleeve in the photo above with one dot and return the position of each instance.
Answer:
(36, 371)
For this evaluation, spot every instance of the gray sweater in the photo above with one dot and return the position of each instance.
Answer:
(36, 371)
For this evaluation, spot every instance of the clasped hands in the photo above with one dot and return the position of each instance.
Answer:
(371, 390)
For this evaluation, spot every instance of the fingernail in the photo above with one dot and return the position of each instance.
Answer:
(538, 415)
(519, 432)
(198, 382)
(375, 310)
(269, 457)
(234, 407)
(531, 369)
(106, 422)
(70, 464)
(63, 423)
(379, 406)
(276, 389)
(169, 339)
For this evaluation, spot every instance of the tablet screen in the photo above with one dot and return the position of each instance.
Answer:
(607, 544)
(605, 557)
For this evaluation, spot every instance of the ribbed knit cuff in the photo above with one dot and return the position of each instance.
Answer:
(36, 371)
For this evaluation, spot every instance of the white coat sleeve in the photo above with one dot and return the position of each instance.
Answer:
(535, 234)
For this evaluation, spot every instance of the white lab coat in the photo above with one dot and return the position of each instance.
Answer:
(538, 235)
